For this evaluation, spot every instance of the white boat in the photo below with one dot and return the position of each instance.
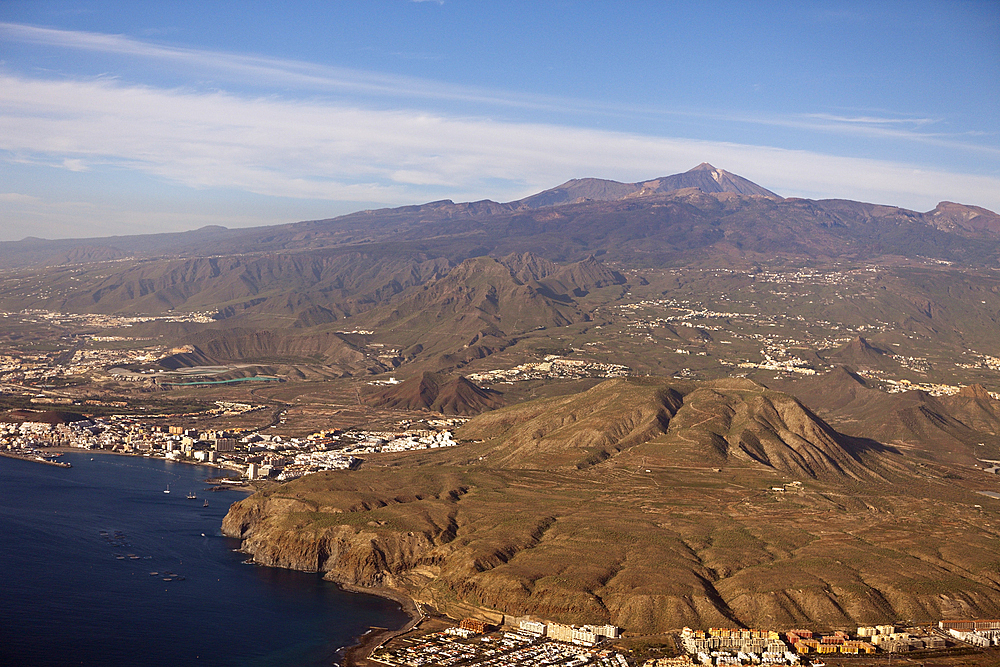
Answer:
(167, 490)
(191, 496)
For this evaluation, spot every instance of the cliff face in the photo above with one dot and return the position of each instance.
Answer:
(347, 555)
(679, 525)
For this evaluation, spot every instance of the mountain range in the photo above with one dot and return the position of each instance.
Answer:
(698, 211)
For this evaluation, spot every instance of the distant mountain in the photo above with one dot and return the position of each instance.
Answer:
(705, 209)
(704, 177)
(949, 216)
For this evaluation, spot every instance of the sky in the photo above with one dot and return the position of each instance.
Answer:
(145, 117)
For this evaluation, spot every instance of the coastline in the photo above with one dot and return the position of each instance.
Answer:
(107, 452)
(244, 487)
(358, 654)
(33, 459)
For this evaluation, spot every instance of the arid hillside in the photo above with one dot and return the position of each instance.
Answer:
(649, 504)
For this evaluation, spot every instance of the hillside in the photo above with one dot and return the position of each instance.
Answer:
(943, 429)
(471, 312)
(432, 391)
(672, 523)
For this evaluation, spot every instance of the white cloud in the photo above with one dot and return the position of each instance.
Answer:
(17, 198)
(323, 150)
(287, 73)
(284, 74)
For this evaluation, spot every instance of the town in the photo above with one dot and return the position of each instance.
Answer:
(248, 452)
(551, 366)
(524, 642)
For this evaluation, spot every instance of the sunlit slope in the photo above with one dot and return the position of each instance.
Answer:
(648, 504)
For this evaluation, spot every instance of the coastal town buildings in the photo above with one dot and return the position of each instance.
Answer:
(249, 453)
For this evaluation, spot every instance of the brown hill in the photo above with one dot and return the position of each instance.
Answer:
(580, 278)
(186, 356)
(41, 416)
(281, 347)
(432, 391)
(718, 422)
(677, 525)
(528, 266)
(977, 409)
(729, 420)
(576, 430)
(945, 429)
(862, 354)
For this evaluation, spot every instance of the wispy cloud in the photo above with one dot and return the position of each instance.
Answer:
(323, 150)
(285, 74)
(909, 130)
(17, 198)
(871, 120)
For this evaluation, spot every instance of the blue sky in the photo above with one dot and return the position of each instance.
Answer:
(132, 117)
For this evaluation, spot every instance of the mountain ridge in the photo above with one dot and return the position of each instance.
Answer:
(422, 223)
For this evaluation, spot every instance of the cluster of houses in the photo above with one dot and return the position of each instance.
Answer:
(472, 644)
(978, 633)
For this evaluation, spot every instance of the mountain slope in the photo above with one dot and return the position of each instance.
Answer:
(648, 535)
(694, 210)
(432, 391)
(704, 177)
(946, 429)
(471, 311)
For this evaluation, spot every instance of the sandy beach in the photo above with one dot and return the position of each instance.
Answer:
(357, 654)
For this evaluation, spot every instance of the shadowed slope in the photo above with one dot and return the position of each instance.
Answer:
(944, 428)
(737, 420)
(431, 391)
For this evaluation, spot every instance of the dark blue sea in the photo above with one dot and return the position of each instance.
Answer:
(66, 598)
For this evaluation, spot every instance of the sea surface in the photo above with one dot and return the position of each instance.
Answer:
(66, 598)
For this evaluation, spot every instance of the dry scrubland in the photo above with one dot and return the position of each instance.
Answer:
(648, 504)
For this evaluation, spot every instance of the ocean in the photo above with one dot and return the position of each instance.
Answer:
(85, 553)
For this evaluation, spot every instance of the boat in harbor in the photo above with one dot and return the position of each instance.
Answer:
(206, 503)
(191, 496)
(167, 490)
